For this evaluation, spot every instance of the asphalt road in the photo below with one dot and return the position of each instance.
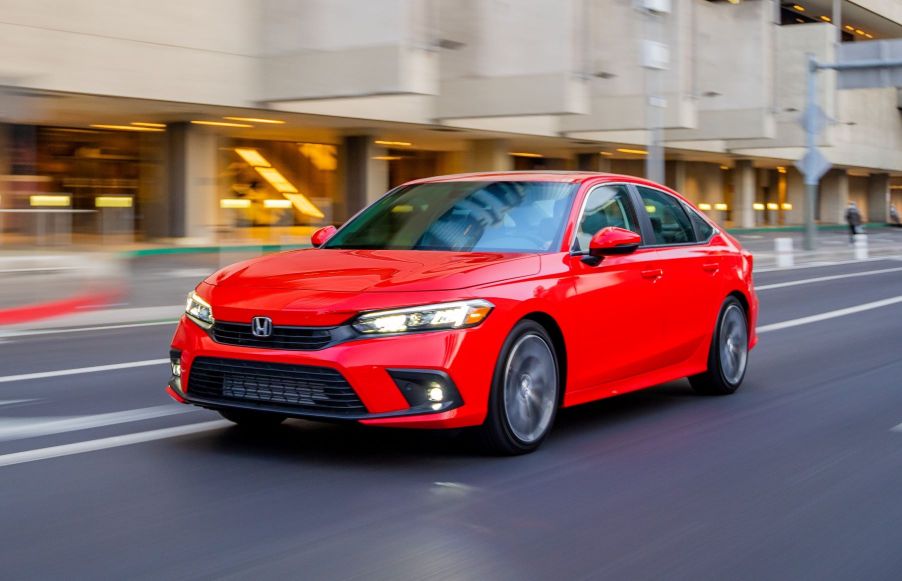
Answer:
(797, 476)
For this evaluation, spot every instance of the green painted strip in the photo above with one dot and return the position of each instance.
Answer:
(265, 248)
(820, 227)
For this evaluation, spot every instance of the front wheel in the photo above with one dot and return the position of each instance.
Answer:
(729, 354)
(252, 419)
(525, 392)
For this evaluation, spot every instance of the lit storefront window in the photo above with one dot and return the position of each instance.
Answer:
(291, 186)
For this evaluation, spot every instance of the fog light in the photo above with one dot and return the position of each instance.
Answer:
(175, 363)
(435, 393)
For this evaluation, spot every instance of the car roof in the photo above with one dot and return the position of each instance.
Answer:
(535, 176)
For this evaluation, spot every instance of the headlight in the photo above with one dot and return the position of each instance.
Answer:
(199, 310)
(454, 315)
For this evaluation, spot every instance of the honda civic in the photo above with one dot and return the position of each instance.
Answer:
(485, 300)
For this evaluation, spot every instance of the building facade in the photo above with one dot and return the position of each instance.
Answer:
(219, 120)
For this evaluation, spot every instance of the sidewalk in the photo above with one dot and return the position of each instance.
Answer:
(148, 285)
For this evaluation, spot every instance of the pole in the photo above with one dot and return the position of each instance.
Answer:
(654, 105)
(811, 180)
(837, 20)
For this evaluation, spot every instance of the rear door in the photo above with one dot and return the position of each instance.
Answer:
(690, 285)
(611, 311)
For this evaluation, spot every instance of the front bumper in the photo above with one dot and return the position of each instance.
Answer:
(375, 368)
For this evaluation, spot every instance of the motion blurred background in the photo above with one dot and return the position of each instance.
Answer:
(133, 129)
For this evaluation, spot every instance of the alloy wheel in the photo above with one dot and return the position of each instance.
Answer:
(530, 388)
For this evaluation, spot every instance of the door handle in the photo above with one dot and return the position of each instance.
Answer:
(711, 266)
(653, 274)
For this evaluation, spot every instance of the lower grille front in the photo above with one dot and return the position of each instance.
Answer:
(298, 387)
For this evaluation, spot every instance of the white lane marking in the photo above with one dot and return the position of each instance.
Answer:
(819, 264)
(830, 315)
(79, 370)
(32, 427)
(825, 278)
(13, 334)
(896, 428)
(4, 402)
(111, 442)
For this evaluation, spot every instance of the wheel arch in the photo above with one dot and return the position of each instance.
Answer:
(557, 339)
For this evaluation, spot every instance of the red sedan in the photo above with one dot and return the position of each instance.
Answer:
(485, 299)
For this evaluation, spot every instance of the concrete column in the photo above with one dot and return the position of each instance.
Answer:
(878, 198)
(834, 196)
(193, 200)
(365, 178)
(489, 155)
(745, 194)
(678, 182)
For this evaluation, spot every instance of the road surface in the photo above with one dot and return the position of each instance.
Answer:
(796, 476)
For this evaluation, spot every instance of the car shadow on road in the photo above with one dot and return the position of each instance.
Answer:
(300, 440)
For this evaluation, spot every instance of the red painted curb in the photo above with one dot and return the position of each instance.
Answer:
(50, 309)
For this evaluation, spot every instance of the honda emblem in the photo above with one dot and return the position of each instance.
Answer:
(261, 326)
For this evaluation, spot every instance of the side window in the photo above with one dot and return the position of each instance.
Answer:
(669, 220)
(605, 206)
(702, 228)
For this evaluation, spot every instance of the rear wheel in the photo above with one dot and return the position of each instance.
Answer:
(252, 419)
(525, 392)
(729, 353)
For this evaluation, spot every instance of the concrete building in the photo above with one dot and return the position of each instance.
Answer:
(221, 119)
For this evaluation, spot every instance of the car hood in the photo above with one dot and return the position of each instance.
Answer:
(358, 271)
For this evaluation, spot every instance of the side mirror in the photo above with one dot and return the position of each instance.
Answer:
(613, 240)
(322, 235)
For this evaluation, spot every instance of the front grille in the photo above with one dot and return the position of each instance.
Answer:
(293, 338)
(303, 387)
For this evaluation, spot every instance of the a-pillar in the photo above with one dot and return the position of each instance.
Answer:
(834, 196)
(878, 198)
(489, 155)
(191, 207)
(745, 194)
(365, 174)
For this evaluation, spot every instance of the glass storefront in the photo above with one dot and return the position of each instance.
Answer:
(278, 188)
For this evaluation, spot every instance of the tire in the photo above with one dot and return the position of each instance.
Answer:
(252, 419)
(525, 392)
(729, 352)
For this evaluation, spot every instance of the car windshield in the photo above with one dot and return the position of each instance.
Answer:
(502, 216)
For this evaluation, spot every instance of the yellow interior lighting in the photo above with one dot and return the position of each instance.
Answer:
(849, 27)
(113, 202)
(722, 207)
(798, 7)
(826, 19)
(256, 120)
(234, 203)
(276, 204)
(387, 157)
(781, 169)
(252, 157)
(125, 127)
(704, 206)
(605, 153)
(220, 124)
(393, 143)
(148, 124)
(724, 167)
(50, 200)
(773, 206)
(324, 157)
(786, 206)
(758, 206)
(276, 180)
(634, 151)
(304, 205)
(524, 154)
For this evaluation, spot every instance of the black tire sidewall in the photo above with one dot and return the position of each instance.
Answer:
(497, 420)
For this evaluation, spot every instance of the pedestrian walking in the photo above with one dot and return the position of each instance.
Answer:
(853, 219)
